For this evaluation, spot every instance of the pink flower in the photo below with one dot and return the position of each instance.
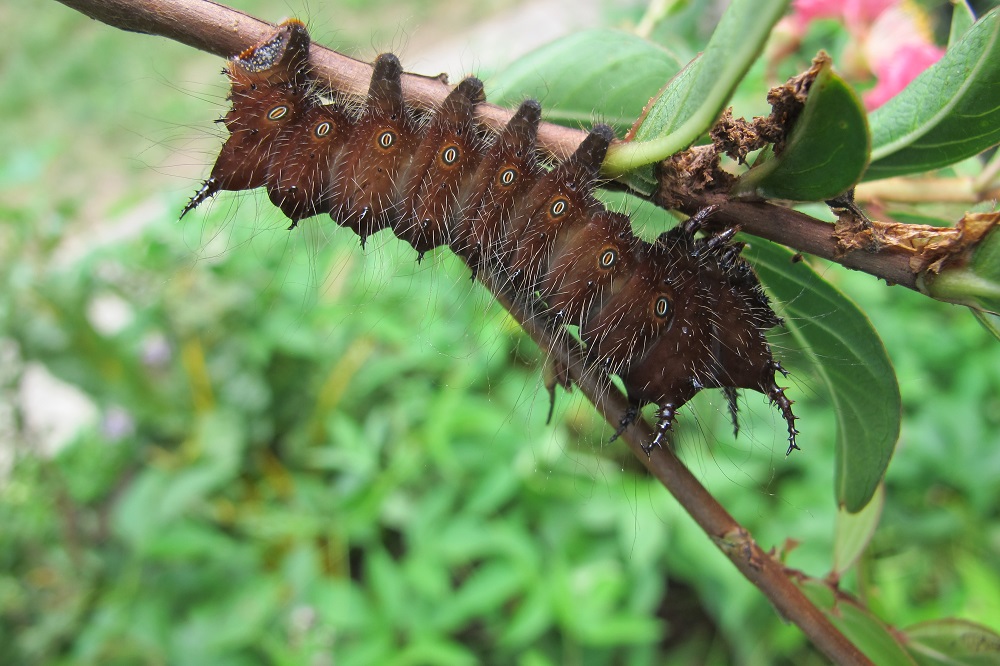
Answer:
(898, 49)
(896, 73)
(854, 13)
(891, 39)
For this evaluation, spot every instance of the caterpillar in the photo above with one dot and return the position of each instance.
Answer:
(668, 318)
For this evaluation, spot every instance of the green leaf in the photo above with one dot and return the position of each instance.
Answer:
(490, 586)
(952, 642)
(246, 613)
(624, 629)
(588, 76)
(693, 100)
(858, 624)
(434, 650)
(529, 617)
(853, 532)
(827, 150)
(948, 113)
(851, 360)
(186, 540)
(388, 590)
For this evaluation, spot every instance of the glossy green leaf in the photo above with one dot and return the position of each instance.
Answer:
(604, 75)
(693, 100)
(860, 627)
(826, 152)
(977, 284)
(854, 531)
(948, 113)
(851, 360)
(952, 642)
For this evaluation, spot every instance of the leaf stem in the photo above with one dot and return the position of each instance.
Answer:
(629, 156)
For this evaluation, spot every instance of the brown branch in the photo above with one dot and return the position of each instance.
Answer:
(807, 234)
(211, 27)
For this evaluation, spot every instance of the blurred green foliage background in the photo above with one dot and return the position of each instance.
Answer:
(290, 451)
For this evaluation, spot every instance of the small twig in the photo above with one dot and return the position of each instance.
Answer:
(223, 31)
(957, 189)
(987, 183)
(215, 28)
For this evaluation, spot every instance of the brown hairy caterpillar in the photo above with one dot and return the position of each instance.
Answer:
(669, 318)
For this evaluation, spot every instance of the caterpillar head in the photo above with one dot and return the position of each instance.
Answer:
(281, 59)
(715, 316)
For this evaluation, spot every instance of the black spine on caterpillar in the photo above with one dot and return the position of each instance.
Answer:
(670, 318)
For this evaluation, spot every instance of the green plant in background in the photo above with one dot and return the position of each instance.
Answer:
(305, 454)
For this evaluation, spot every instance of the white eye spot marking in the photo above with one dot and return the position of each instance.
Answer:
(609, 257)
(449, 155)
(558, 207)
(386, 139)
(278, 112)
(661, 307)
